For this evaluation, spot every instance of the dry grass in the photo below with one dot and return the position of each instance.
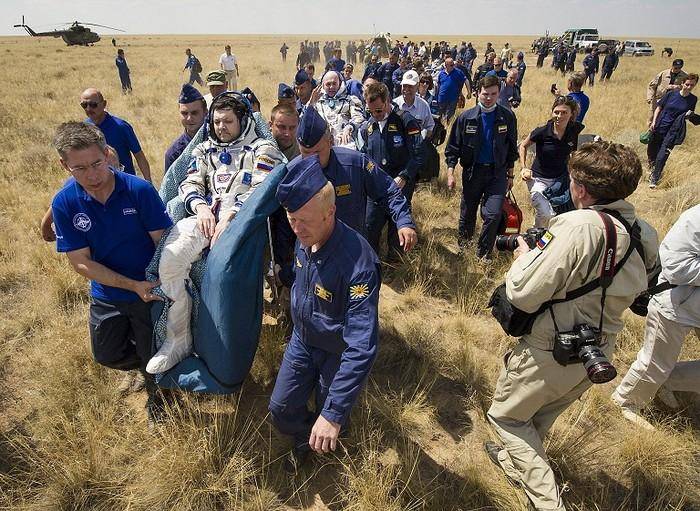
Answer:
(68, 441)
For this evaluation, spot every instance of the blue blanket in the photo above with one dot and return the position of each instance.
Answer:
(217, 349)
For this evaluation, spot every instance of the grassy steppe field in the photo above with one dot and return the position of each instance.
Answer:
(68, 441)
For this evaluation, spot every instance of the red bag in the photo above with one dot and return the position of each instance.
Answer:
(512, 217)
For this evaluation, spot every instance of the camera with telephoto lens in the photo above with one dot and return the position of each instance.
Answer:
(509, 242)
(582, 344)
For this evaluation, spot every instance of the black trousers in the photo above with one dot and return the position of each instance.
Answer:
(486, 187)
(658, 151)
(121, 334)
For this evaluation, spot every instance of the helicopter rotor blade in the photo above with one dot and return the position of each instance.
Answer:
(103, 26)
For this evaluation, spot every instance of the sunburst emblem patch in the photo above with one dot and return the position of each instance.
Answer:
(359, 291)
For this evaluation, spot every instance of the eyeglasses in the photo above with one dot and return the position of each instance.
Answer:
(82, 169)
(91, 104)
(424, 82)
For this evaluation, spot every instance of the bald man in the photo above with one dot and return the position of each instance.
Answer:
(118, 132)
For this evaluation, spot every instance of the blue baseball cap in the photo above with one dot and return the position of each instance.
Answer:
(188, 94)
(284, 91)
(312, 127)
(303, 180)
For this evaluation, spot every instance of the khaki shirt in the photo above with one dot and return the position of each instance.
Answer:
(569, 260)
(659, 85)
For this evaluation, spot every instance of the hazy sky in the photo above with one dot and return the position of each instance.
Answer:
(658, 18)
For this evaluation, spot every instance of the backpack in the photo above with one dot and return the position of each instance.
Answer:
(196, 66)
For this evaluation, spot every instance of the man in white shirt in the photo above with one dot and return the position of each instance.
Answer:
(673, 313)
(229, 64)
(410, 102)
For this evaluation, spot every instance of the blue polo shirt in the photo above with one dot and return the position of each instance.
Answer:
(450, 84)
(583, 104)
(120, 135)
(116, 233)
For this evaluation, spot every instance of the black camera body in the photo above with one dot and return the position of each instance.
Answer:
(509, 242)
(582, 344)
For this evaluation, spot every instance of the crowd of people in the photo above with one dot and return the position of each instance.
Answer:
(353, 151)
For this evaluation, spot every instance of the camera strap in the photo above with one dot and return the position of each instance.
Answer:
(607, 272)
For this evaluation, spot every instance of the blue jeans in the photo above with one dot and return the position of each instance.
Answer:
(304, 369)
(486, 187)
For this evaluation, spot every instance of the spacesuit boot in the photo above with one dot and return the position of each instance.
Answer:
(183, 247)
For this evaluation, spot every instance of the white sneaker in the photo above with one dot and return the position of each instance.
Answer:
(634, 415)
(667, 397)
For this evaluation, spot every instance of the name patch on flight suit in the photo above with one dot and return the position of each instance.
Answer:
(222, 178)
(342, 190)
(503, 128)
(470, 129)
(323, 293)
(393, 127)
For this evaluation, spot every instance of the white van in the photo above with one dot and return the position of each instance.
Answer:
(638, 48)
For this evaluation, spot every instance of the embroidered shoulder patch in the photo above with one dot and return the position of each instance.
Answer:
(323, 293)
(544, 240)
(359, 291)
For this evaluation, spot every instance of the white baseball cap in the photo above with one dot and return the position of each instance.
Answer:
(410, 78)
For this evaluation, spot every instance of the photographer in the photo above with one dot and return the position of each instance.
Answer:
(554, 142)
(534, 388)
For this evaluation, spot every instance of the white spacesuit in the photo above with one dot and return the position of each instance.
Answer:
(223, 175)
(341, 111)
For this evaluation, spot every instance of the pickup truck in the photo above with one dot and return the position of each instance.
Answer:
(638, 48)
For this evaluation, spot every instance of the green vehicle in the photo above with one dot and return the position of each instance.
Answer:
(76, 33)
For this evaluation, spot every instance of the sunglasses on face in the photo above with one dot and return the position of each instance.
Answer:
(91, 104)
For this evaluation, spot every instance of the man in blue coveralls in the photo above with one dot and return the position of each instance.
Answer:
(108, 224)
(484, 140)
(395, 141)
(334, 310)
(193, 110)
(355, 178)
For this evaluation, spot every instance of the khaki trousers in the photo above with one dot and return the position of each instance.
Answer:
(531, 392)
(231, 80)
(657, 363)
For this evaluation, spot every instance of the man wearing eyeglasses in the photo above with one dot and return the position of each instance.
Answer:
(118, 132)
(108, 224)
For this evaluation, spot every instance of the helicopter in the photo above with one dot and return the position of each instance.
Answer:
(77, 33)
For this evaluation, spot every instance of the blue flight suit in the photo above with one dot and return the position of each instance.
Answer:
(385, 74)
(482, 181)
(399, 150)
(356, 178)
(396, 78)
(371, 69)
(334, 303)
(176, 149)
